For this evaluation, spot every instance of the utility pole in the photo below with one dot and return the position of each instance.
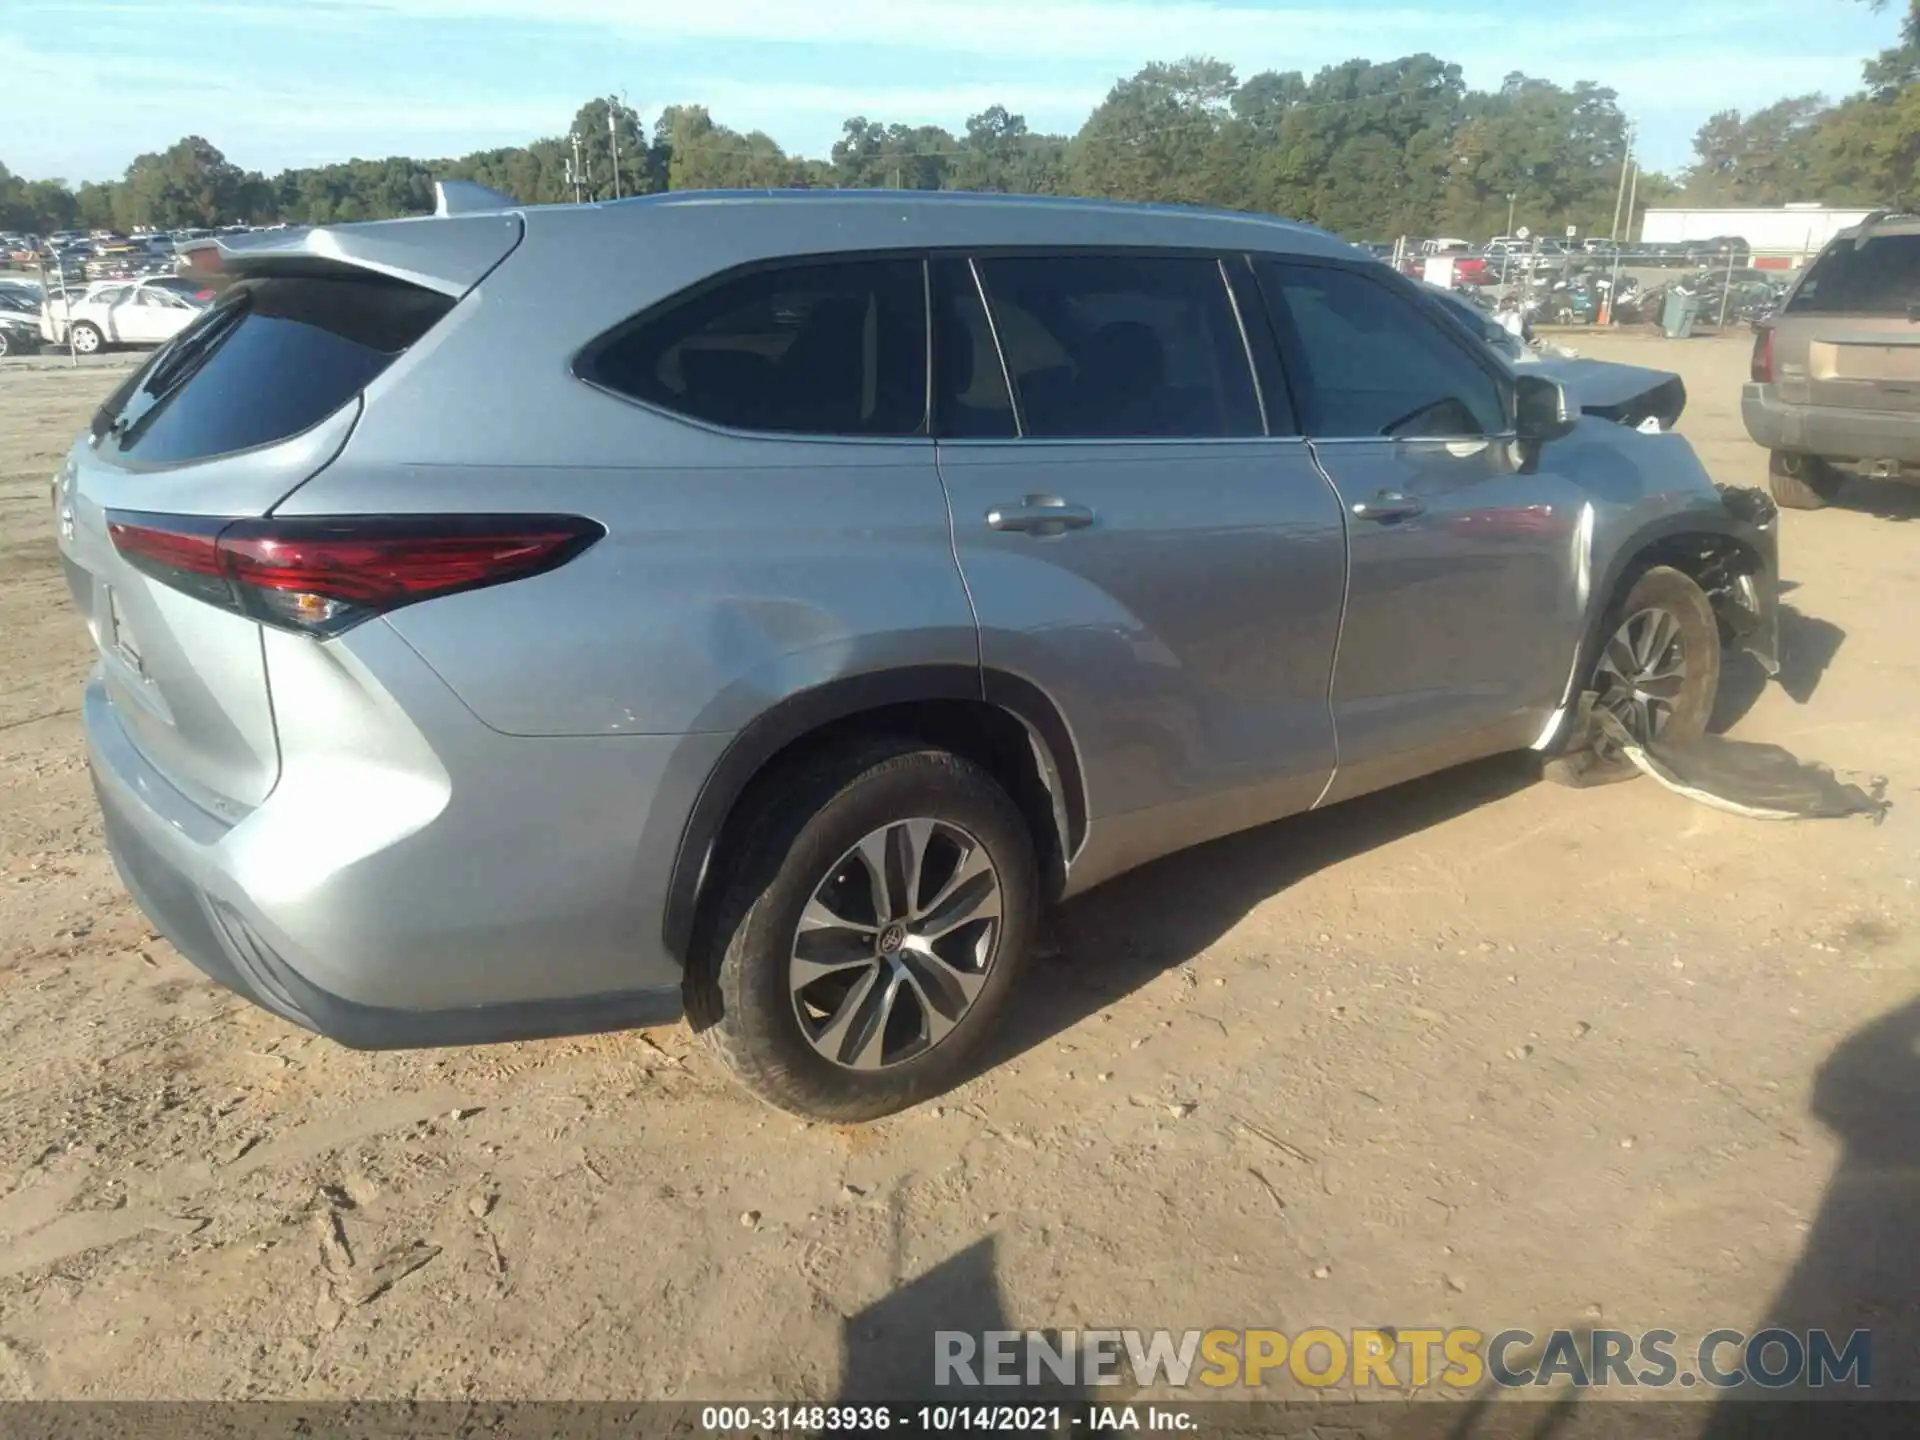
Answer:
(575, 176)
(1626, 164)
(1633, 193)
(613, 134)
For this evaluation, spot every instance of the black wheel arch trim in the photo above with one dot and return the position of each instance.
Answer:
(811, 710)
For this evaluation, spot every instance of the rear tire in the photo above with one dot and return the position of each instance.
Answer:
(86, 339)
(802, 899)
(1801, 482)
(1663, 674)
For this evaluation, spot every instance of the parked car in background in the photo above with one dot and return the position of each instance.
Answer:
(767, 628)
(201, 288)
(1835, 388)
(1717, 251)
(111, 313)
(19, 325)
(1630, 395)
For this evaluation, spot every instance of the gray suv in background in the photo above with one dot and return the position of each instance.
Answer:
(528, 621)
(1836, 374)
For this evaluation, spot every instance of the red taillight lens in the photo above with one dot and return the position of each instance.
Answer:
(1763, 357)
(320, 577)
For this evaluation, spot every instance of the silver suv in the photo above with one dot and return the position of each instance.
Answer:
(1836, 374)
(522, 622)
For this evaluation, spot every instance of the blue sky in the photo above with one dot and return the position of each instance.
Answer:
(90, 83)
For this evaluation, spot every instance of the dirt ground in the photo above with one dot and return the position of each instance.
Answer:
(1477, 1051)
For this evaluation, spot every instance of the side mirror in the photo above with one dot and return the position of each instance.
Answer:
(1542, 409)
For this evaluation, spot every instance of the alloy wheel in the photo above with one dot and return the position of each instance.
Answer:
(895, 944)
(1643, 671)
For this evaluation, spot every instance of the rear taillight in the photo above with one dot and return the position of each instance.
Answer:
(320, 577)
(1763, 356)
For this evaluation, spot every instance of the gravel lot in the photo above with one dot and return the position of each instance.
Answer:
(1476, 1051)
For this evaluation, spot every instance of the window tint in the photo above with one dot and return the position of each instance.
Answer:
(1122, 346)
(970, 388)
(112, 295)
(1878, 277)
(1366, 361)
(833, 349)
(273, 358)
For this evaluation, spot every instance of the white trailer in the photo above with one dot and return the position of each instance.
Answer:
(1792, 232)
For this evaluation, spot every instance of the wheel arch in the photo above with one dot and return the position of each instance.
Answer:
(1006, 723)
(1713, 550)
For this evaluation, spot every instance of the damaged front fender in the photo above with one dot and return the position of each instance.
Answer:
(1746, 595)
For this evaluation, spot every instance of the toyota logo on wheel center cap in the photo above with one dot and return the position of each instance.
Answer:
(892, 939)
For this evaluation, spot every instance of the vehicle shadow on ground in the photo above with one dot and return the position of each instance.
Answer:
(1886, 499)
(1119, 937)
(1807, 647)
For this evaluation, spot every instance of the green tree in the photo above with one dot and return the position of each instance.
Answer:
(999, 154)
(1765, 158)
(608, 130)
(1155, 136)
(188, 183)
(872, 156)
(700, 155)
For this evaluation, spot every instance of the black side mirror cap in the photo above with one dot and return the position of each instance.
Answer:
(1542, 409)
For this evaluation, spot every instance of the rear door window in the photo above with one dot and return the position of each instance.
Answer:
(1366, 361)
(276, 356)
(812, 349)
(1121, 346)
(1878, 276)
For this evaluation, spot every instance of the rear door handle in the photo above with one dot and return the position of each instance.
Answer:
(1039, 515)
(1388, 505)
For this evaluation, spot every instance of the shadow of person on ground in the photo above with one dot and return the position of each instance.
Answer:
(1807, 647)
(1860, 1267)
(890, 1351)
(1118, 937)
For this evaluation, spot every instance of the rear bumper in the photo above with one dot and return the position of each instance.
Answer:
(1831, 434)
(186, 871)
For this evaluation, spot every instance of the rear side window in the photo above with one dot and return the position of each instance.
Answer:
(1369, 362)
(1877, 276)
(809, 349)
(274, 357)
(1115, 347)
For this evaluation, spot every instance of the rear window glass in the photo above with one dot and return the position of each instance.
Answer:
(812, 349)
(1878, 277)
(274, 357)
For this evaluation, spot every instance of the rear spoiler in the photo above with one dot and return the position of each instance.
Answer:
(449, 252)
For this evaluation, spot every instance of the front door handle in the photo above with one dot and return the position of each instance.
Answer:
(1039, 515)
(1388, 505)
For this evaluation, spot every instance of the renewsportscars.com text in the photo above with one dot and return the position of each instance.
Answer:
(1399, 1359)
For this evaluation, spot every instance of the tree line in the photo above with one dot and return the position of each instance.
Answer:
(1367, 149)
